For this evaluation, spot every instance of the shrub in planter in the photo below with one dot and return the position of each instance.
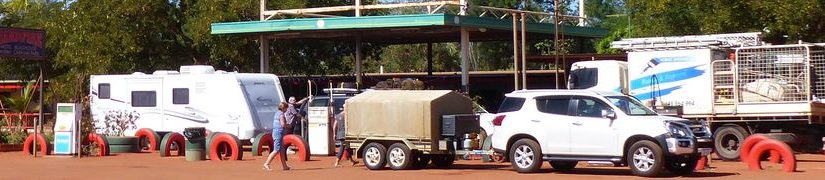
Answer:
(116, 123)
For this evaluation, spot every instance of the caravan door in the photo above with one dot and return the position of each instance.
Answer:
(144, 95)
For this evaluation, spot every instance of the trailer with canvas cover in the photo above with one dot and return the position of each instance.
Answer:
(240, 104)
(406, 129)
(735, 82)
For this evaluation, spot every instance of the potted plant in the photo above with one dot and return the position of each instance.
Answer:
(13, 108)
(115, 124)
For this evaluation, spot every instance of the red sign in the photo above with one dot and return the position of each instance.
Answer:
(23, 43)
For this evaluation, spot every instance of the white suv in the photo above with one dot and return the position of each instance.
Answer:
(567, 126)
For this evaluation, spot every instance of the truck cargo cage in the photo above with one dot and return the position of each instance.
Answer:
(690, 42)
(784, 73)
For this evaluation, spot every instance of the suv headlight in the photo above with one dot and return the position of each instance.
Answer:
(677, 130)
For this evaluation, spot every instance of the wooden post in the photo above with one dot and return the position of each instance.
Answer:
(429, 59)
(515, 51)
(523, 51)
(465, 60)
(264, 57)
(358, 57)
(357, 8)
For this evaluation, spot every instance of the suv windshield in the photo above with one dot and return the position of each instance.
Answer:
(630, 106)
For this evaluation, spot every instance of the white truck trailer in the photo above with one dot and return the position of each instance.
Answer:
(242, 104)
(735, 82)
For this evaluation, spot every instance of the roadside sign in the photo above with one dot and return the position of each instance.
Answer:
(23, 43)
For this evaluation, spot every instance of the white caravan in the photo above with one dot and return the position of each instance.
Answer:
(242, 104)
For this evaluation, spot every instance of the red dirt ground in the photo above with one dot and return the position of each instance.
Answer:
(15, 165)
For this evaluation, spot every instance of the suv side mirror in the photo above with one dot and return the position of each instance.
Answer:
(609, 114)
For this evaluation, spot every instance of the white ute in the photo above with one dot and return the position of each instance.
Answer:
(568, 126)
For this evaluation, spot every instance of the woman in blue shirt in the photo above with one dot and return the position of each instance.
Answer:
(277, 138)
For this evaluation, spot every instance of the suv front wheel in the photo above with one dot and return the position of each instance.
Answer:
(525, 156)
(646, 158)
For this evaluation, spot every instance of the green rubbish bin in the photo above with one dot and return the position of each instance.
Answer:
(195, 143)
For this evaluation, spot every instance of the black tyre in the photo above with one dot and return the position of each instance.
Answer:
(421, 160)
(399, 157)
(374, 156)
(525, 156)
(680, 166)
(646, 159)
(443, 160)
(727, 141)
(563, 166)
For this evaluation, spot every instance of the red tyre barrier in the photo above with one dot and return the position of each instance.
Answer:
(233, 147)
(294, 140)
(261, 140)
(747, 146)
(702, 162)
(28, 145)
(102, 143)
(166, 144)
(149, 135)
(788, 158)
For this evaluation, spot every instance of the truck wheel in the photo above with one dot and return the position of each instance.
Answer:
(525, 156)
(374, 156)
(563, 166)
(681, 166)
(443, 161)
(400, 157)
(728, 140)
(645, 158)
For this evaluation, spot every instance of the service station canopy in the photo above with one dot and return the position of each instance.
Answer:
(410, 23)
(399, 29)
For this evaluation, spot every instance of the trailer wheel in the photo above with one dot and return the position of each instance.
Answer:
(728, 141)
(233, 150)
(148, 139)
(374, 156)
(400, 157)
(262, 140)
(28, 145)
(169, 141)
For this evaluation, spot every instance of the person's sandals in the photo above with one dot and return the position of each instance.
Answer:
(286, 168)
(266, 167)
(353, 162)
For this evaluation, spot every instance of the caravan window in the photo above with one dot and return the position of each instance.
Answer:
(180, 95)
(144, 99)
(103, 91)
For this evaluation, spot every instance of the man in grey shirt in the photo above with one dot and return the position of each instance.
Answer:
(339, 127)
(294, 121)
